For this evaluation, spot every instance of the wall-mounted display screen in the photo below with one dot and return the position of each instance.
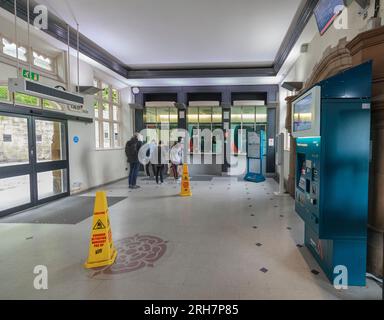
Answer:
(303, 114)
(326, 12)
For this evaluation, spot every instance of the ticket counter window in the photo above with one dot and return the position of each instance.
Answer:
(201, 118)
(160, 118)
(243, 119)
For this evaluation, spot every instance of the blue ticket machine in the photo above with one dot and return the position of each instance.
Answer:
(331, 124)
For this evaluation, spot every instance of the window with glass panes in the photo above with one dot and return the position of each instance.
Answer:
(36, 59)
(243, 119)
(157, 118)
(107, 108)
(200, 118)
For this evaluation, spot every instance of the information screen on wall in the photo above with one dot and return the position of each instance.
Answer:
(326, 12)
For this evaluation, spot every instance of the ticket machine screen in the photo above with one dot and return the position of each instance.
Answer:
(302, 118)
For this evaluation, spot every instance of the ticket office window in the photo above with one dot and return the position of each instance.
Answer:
(243, 119)
(200, 118)
(157, 119)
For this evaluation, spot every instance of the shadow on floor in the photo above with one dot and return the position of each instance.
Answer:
(71, 210)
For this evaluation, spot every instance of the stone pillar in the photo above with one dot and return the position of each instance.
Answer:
(292, 153)
(370, 46)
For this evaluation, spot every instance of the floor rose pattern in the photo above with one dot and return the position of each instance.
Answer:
(134, 253)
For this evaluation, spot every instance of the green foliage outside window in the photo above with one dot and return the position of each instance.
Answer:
(4, 94)
(96, 108)
(27, 100)
(115, 96)
(105, 93)
(52, 105)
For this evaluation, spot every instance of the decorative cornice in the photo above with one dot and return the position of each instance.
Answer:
(291, 98)
(334, 60)
(57, 28)
(366, 39)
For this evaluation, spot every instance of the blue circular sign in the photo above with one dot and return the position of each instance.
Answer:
(76, 139)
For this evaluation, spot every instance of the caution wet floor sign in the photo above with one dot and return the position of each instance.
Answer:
(185, 183)
(101, 249)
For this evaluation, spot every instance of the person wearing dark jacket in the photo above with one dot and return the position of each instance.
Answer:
(159, 157)
(132, 148)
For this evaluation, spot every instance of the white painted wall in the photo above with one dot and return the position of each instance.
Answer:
(88, 167)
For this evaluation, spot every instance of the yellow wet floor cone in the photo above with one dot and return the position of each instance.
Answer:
(102, 252)
(185, 183)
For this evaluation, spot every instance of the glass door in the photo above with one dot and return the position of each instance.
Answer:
(16, 181)
(33, 161)
(51, 163)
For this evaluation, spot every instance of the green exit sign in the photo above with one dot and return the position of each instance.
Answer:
(31, 75)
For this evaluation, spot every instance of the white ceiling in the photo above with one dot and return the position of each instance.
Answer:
(182, 33)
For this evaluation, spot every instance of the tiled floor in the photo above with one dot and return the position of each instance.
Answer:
(230, 240)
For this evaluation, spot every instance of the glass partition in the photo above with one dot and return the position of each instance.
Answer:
(200, 118)
(157, 118)
(217, 115)
(243, 118)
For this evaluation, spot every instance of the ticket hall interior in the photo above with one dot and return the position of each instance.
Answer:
(191, 150)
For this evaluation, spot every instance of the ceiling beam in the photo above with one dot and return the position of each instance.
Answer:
(298, 24)
(201, 73)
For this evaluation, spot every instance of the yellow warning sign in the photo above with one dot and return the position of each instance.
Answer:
(185, 183)
(102, 252)
(99, 225)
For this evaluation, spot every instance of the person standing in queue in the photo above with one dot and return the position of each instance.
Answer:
(132, 148)
(175, 160)
(176, 156)
(161, 158)
(152, 147)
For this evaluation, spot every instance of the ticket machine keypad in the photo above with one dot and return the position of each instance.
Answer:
(308, 191)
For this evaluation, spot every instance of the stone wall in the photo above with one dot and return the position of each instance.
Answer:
(16, 150)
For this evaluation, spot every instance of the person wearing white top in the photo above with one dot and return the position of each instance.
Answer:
(176, 156)
(151, 149)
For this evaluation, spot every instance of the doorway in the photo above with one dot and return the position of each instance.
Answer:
(33, 161)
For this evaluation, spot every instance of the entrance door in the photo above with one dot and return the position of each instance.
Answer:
(33, 161)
